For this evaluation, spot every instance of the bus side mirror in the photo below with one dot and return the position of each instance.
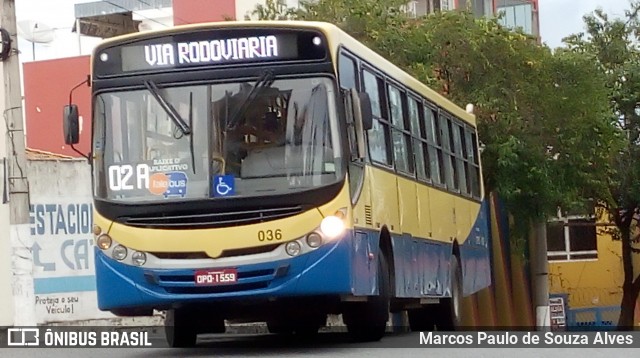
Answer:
(366, 114)
(71, 124)
(362, 119)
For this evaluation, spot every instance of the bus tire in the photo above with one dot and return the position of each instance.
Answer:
(179, 328)
(367, 321)
(450, 317)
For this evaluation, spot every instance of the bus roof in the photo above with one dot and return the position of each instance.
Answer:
(336, 37)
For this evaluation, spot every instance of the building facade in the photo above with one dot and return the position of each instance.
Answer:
(585, 271)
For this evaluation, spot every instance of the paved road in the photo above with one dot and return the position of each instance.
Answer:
(324, 345)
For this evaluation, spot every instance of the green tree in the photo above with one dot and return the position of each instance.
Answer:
(272, 10)
(372, 22)
(613, 44)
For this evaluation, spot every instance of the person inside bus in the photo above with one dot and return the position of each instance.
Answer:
(251, 134)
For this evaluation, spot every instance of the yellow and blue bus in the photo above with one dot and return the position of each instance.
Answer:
(278, 172)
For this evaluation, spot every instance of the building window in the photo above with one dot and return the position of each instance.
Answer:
(516, 16)
(572, 238)
(446, 4)
(411, 9)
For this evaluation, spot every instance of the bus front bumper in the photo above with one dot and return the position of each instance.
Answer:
(324, 271)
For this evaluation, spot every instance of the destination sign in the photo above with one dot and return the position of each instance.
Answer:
(184, 53)
(206, 48)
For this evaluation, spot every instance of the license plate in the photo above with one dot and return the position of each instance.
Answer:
(216, 277)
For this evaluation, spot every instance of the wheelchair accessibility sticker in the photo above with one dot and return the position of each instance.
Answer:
(224, 185)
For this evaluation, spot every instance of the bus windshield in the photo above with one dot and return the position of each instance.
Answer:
(265, 137)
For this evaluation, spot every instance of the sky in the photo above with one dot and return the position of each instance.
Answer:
(59, 17)
(558, 18)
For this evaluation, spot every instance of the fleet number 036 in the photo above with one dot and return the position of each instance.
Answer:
(269, 235)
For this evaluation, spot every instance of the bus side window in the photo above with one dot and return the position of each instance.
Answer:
(400, 137)
(458, 149)
(418, 136)
(347, 72)
(449, 159)
(436, 160)
(473, 162)
(378, 135)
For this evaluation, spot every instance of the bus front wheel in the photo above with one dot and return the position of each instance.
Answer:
(179, 328)
(367, 321)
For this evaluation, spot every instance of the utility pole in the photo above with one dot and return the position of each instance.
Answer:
(16, 183)
(540, 275)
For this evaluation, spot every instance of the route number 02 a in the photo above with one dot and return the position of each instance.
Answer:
(269, 235)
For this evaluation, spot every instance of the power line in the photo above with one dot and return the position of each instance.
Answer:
(174, 13)
(124, 8)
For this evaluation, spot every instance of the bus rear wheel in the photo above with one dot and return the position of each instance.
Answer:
(450, 317)
(446, 316)
(367, 321)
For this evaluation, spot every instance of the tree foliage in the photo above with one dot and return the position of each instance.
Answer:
(272, 10)
(613, 44)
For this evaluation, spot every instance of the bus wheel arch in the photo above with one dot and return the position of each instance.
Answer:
(385, 248)
(451, 307)
(455, 249)
(367, 321)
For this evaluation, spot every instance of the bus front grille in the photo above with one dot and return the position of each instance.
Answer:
(217, 289)
(225, 253)
(211, 219)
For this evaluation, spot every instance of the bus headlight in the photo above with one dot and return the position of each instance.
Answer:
(332, 226)
(104, 242)
(119, 252)
(139, 258)
(314, 240)
(293, 248)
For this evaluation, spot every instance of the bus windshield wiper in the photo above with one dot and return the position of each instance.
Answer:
(264, 81)
(168, 108)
